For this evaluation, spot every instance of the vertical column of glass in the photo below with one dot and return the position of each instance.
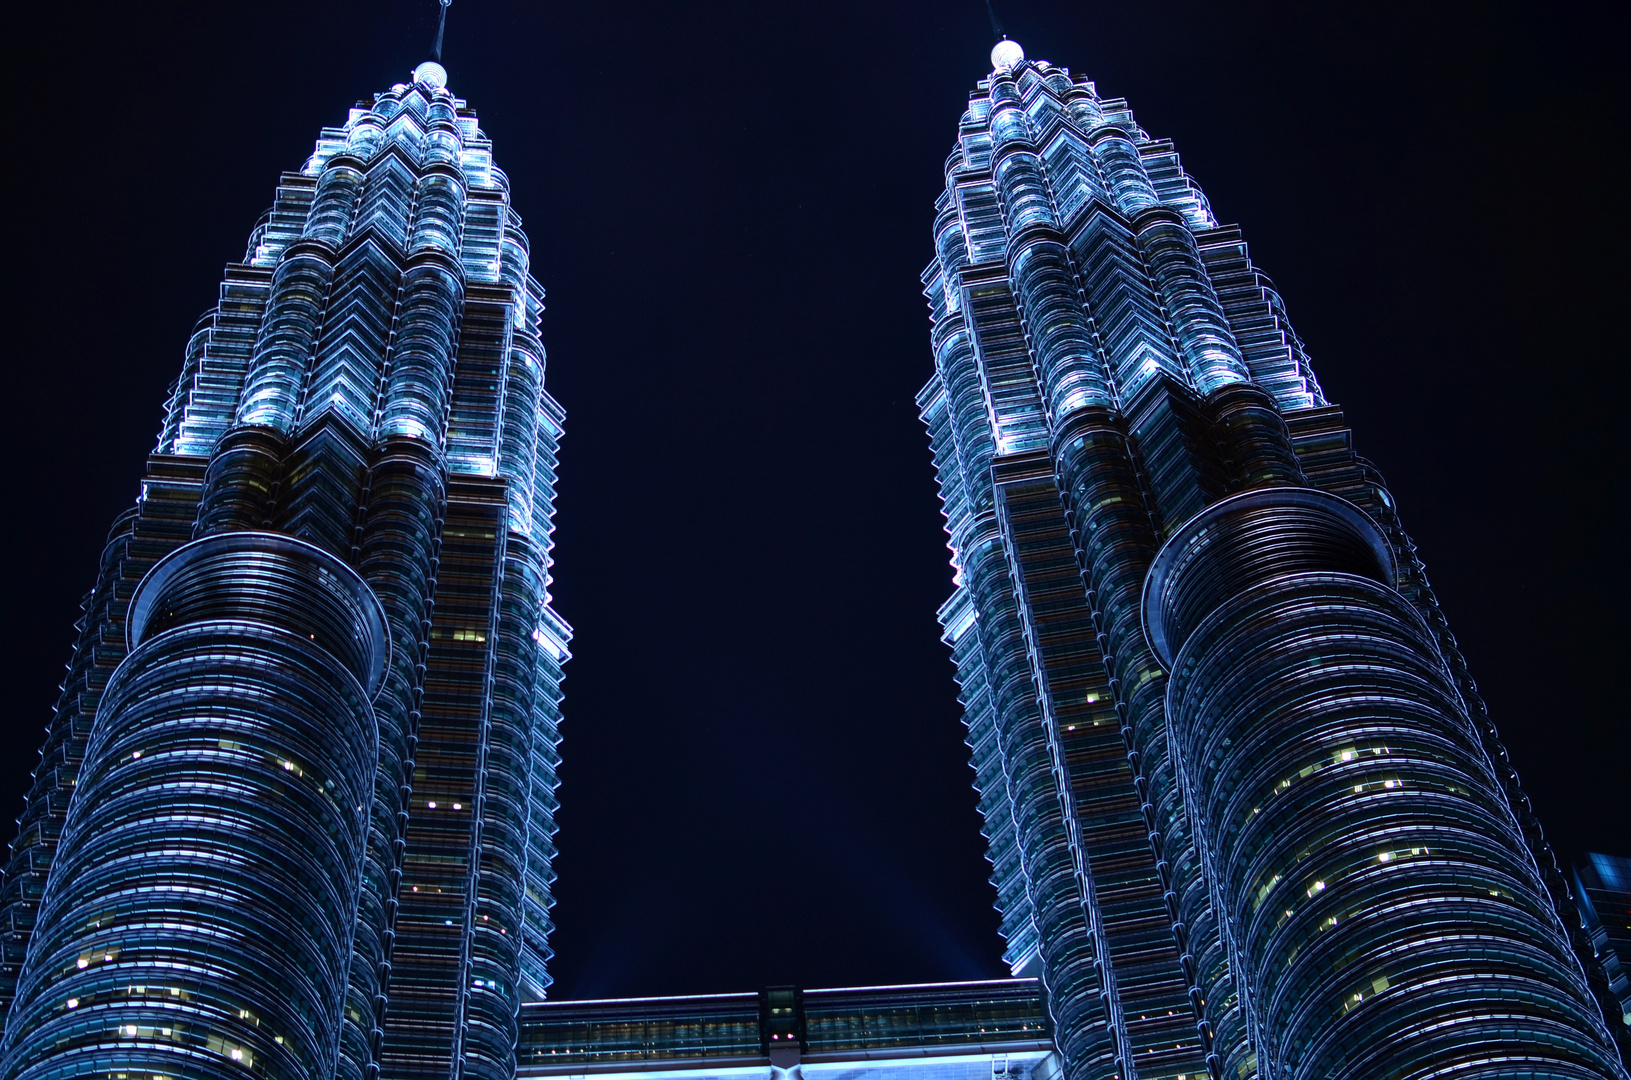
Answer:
(351, 349)
(1107, 1012)
(404, 519)
(492, 991)
(1358, 839)
(969, 455)
(1115, 542)
(397, 557)
(199, 913)
(1186, 291)
(971, 448)
(1252, 435)
(1068, 367)
(544, 761)
(1199, 327)
(1073, 378)
(1077, 990)
(538, 419)
(335, 200)
(421, 373)
(1077, 993)
(957, 616)
(945, 411)
(246, 463)
(277, 371)
(492, 978)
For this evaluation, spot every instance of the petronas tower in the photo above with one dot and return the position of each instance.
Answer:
(294, 812)
(1247, 814)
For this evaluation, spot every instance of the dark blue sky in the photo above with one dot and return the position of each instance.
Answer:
(729, 204)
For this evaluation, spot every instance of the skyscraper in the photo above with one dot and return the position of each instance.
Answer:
(1603, 886)
(1247, 814)
(294, 812)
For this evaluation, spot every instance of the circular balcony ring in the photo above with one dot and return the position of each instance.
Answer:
(1247, 539)
(271, 579)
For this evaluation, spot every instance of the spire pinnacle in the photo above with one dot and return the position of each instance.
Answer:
(441, 25)
(1007, 53)
(431, 72)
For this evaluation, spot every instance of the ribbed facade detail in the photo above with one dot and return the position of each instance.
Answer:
(1376, 892)
(295, 810)
(1180, 598)
(217, 841)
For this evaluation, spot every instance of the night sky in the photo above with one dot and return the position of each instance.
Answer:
(729, 205)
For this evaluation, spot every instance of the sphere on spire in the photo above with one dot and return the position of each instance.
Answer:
(1006, 54)
(431, 74)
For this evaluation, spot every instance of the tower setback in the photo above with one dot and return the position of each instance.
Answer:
(294, 812)
(1246, 812)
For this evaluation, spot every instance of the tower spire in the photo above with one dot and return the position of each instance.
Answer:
(441, 25)
(1006, 53)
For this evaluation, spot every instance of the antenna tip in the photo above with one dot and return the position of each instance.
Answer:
(1006, 55)
(431, 74)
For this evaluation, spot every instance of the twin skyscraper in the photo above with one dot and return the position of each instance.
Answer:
(1247, 815)
(295, 810)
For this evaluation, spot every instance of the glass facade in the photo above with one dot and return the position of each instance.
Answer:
(293, 816)
(940, 1031)
(1603, 884)
(1246, 812)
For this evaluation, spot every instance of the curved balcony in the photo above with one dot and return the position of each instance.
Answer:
(200, 911)
(1381, 906)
